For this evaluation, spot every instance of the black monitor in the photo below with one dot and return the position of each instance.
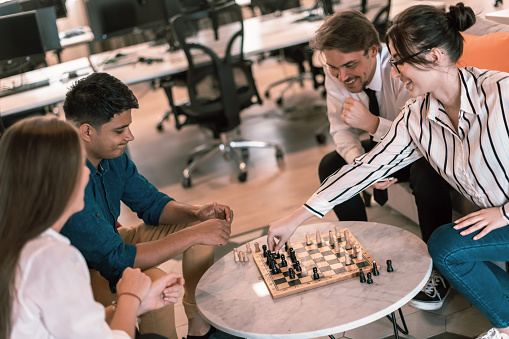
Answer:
(110, 18)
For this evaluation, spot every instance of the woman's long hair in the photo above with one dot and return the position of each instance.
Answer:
(40, 163)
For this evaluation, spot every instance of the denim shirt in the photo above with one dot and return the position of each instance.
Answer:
(93, 230)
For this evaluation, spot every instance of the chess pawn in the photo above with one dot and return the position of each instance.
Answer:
(246, 257)
(336, 245)
(248, 248)
(283, 261)
(291, 273)
(348, 260)
(315, 273)
(297, 267)
(389, 266)
(318, 238)
(359, 253)
(308, 239)
(275, 269)
(338, 232)
(370, 280)
(241, 256)
(264, 247)
(375, 269)
(257, 247)
(235, 255)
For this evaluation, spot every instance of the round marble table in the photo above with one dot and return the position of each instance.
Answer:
(233, 297)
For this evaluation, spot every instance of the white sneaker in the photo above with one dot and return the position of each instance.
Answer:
(493, 334)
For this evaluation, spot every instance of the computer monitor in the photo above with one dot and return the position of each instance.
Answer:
(17, 6)
(110, 18)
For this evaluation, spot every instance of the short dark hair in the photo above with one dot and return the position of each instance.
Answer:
(96, 99)
(347, 31)
(422, 26)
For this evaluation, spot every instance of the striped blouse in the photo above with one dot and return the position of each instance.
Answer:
(474, 160)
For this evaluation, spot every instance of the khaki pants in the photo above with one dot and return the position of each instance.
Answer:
(196, 260)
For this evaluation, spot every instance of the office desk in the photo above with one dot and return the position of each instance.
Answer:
(261, 34)
(499, 16)
(233, 297)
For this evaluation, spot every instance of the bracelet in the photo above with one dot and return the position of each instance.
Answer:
(131, 294)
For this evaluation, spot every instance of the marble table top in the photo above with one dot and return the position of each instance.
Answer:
(233, 297)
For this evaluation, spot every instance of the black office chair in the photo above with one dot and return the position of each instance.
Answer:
(299, 55)
(220, 84)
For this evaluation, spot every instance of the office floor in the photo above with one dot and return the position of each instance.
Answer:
(273, 190)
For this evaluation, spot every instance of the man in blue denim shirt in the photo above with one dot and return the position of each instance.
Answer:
(100, 106)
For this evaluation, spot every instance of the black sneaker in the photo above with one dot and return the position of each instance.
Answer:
(433, 295)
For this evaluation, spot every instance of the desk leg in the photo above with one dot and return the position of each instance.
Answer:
(392, 318)
(331, 336)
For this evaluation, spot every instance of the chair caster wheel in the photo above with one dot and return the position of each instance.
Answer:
(160, 127)
(320, 138)
(243, 177)
(279, 155)
(186, 182)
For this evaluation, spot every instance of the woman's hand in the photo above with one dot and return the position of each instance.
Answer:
(486, 220)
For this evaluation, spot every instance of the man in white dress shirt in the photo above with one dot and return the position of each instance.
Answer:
(357, 64)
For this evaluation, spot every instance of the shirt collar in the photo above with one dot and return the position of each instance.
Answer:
(376, 82)
(103, 165)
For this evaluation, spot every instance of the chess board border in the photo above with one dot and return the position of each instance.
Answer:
(307, 283)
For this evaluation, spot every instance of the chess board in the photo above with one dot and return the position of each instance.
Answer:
(330, 265)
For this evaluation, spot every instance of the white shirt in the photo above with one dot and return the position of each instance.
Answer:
(391, 96)
(474, 160)
(54, 297)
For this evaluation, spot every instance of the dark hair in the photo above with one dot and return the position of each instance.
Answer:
(421, 27)
(347, 31)
(41, 161)
(96, 99)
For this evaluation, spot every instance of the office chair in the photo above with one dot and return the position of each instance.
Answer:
(299, 55)
(220, 85)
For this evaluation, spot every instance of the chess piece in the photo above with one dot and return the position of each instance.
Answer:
(336, 245)
(348, 260)
(257, 247)
(293, 257)
(370, 280)
(315, 273)
(338, 232)
(308, 239)
(318, 238)
(295, 263)
(359, 253)
(269, 256)
(362, 277)
(288, 245)
(297, 267)
(246, 257)
(291, 272)
(275, 269)
(389, 266)
(277, 255)
(331, 239)
(348, 244)
(235, 255)
(375, 269)
(283, 261)
(270, 263)
(248, 248)
(264, 247)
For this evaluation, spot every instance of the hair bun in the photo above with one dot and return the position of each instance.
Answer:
(460, 16)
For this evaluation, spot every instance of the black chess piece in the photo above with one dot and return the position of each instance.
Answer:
(291, 272)
(315, 273)
(297, 267)
(270, 263)
(269, 256)
(275, 269)
(277, 255)
(295, 263)
(286, 246)
(370, 280)
(375, 269)
(283, 261)
(362, 277)
(264, 248)
(389, 266)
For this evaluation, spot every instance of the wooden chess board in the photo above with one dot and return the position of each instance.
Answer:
(330, 265)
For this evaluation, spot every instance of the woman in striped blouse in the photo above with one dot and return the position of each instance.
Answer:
(458, 121)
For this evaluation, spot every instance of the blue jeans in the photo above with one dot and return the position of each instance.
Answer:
(466, 264)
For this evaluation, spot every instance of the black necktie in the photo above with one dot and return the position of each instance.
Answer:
(379, 195)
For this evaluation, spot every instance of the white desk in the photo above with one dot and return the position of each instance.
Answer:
(261, 34)
(233, 297)
(499, 16)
